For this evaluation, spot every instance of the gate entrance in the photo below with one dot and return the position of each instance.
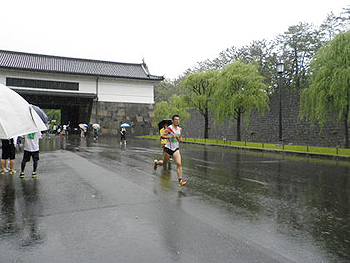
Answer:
(75, 107)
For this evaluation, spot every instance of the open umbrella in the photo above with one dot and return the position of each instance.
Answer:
(125, 125)
(165, 121)
(17, 117)
(83, 126)
(41, 113)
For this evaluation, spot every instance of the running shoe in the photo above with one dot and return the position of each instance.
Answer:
(155, 164)
(34, 175)
(2, 171)
(21, 175)
(182, 183)
(12, 171)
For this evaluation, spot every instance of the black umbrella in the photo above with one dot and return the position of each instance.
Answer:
(165, 121)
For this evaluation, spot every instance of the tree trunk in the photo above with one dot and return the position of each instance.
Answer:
(296, 68)
(346, 117)
(206, 124)
(346, 129)
(239, 126)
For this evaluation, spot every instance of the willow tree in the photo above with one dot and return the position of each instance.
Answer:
(166, 109)
(199, 88)
(329, 90)
(241, 89)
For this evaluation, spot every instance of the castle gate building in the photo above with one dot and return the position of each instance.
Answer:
(86, 91)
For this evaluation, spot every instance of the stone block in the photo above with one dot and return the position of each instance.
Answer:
(121, 112)
(104, 113)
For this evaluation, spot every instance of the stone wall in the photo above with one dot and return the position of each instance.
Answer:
(265, 128)
(111, 114)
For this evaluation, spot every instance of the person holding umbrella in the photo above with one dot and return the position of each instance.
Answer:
(162, 126)
(122, 136)
(83, 129)
(123, 133)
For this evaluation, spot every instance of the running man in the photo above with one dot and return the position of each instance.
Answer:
(173, 134)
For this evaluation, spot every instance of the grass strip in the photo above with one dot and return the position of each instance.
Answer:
(268, 146)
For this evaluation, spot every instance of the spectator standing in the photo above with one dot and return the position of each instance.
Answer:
(122, 136)
(96, 128)
(8, 153)
(31, 150)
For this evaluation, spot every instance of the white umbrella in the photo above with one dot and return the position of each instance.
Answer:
(83, 126)
(125, 125)
(17, 117)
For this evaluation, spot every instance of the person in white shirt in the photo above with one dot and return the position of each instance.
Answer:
(31, 149)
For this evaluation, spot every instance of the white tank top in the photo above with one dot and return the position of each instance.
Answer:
(173, 143)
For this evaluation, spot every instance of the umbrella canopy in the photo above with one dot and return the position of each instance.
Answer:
(41, 113)
(17, 117)
(125, 125)
(83, 126)
(165, 121)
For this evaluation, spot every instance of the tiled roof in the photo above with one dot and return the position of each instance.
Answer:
(56, 64)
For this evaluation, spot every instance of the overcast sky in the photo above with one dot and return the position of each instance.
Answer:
(170, 35)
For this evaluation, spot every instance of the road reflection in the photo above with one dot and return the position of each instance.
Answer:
(20, 210)
(303, 199)
(7, 204)
(30, 210)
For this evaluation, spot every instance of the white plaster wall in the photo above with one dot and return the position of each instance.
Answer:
(2, 79)
(125, 91)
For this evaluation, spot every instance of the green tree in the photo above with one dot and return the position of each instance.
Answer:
(298, 46)
(262, 52)
(53, 116)
(165, 89)
(199, 88)
(166, 109)
(329, 89)
(330, 27)
(241, 89)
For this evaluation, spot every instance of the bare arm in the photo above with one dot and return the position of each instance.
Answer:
(167, 134)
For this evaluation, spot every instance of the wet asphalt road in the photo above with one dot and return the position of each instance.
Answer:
(97, 202)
